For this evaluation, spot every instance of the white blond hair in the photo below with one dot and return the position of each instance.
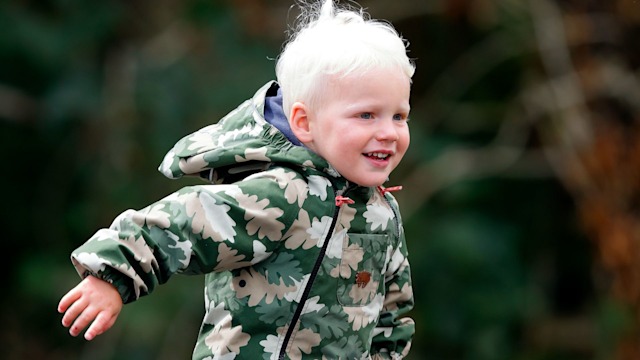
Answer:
(332, 42)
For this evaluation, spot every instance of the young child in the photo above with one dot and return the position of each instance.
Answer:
(303, 249)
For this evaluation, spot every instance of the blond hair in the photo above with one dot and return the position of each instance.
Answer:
(335, 42)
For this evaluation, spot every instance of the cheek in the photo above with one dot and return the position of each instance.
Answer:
(404, 139)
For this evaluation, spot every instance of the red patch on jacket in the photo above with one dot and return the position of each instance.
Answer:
(363, 278)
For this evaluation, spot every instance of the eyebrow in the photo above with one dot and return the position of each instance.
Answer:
(368, 105)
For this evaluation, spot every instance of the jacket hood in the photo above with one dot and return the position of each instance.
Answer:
(241, 143)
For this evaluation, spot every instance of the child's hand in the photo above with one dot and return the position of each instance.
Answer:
(92, 301)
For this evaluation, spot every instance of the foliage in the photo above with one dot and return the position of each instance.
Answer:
(510, 248)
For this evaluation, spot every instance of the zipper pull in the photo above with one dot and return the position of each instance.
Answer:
(341, 200)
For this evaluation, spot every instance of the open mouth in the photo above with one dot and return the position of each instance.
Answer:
(377, 155)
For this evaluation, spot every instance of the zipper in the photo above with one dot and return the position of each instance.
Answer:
(396, 215)
(312, 277)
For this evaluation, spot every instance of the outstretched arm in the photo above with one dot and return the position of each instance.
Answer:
(93, 301)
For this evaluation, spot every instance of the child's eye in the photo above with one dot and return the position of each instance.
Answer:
(399, 117)
(366, 116)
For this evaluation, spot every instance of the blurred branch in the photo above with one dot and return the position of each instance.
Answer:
(261, 20)
(468, 69)
(576, 334)
(571, 130)
(502, 155)
(506, 151)
(596, 157)
(397, 10)
(168, 46)
(16, 105)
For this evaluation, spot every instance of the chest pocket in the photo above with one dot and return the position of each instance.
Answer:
(364, 258)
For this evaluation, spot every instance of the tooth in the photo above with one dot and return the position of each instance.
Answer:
(378, 155)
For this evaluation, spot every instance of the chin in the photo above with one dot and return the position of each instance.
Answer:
(369, 182)
(366, 178)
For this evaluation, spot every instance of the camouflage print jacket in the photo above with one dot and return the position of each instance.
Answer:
(299, 263)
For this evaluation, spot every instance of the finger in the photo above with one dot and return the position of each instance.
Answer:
(73, 312)
(83, 320)
(68, 299)
(102, 323)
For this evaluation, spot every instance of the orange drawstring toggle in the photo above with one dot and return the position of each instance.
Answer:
(383, 190)
(341, 200)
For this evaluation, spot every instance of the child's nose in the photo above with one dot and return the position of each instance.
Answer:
(387, 131)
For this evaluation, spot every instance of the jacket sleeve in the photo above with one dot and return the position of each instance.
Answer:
(394, 332)
(198, 229)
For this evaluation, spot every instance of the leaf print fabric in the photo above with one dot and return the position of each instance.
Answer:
(297, 235)
(154, 215)
(228, 258)
(218, 343)
(209, 218)
(296, 189)
(351, 260)
(262, 218)
(254, 285)
(318, 186)
(253, 154)
(363, 254)
(319, 228)
(378, 216)
(198, 141)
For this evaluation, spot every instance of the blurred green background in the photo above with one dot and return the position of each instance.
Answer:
(521, 194)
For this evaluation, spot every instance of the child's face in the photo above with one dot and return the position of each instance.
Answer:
(360, 125)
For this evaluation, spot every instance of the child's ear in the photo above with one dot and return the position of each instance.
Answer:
(300, 122)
